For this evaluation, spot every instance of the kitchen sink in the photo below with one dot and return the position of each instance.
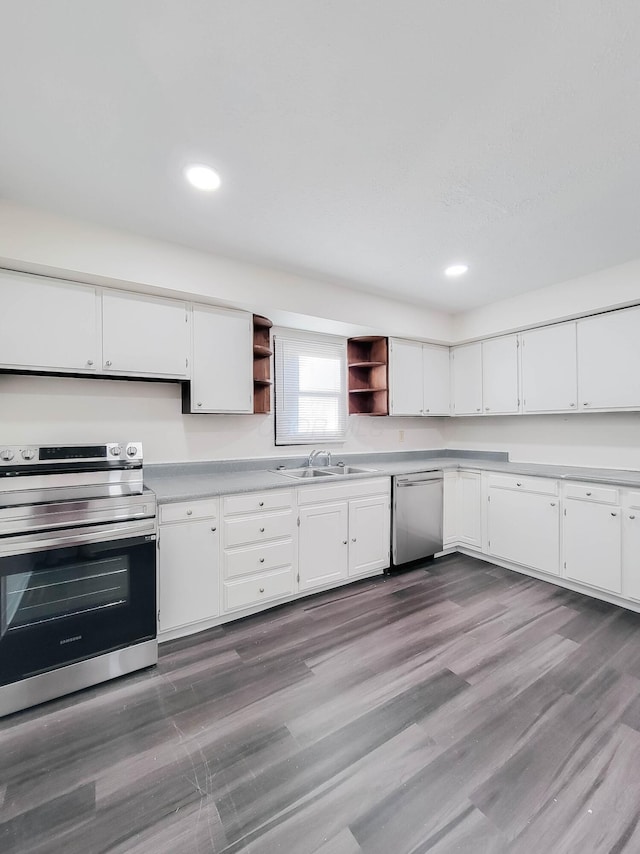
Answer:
(325, 471)
(304, 473)
(347, 470)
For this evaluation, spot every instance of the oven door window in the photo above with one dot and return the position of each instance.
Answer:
(66, 604)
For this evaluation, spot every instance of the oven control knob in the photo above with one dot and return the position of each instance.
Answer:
(116, 450)
(132, 451)
(6, 454)
(28, 454)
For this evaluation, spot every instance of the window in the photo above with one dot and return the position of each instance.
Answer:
(310, 381)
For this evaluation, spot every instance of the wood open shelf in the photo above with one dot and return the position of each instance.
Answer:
(262, 364)
(367, 357)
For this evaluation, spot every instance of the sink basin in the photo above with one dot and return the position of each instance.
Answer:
(304, 473)
(347, 470)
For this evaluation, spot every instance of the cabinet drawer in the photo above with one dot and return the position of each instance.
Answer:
(183, 510)
(259, 588)
(255, 529)
(252, 559)
(632, 499)
(256, 502)
(541, 485)
(587, 492)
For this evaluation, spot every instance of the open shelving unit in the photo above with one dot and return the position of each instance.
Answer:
(262, 353)
(367, 358)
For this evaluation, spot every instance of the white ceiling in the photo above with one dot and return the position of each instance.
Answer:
(371, 142)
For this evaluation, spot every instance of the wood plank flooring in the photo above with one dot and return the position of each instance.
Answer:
(458, 707)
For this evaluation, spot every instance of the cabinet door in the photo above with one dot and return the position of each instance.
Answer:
(592, 544)
(144, 336)
(222, 370)
(469, 508)
(609, 360)
(500, 393)
(188, 573)
(450, 509)
(466, 379)
(405, 377)
(323, 544)
(369, 534)
(436, 380)
(631, 553)
(62, 331)
(549, 369)
(524, 527)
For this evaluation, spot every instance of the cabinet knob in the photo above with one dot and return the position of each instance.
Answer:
(262, 590)
(89, 362)
(261, 560)
(344, 542)
(189, 512)
(632, 517)
(486, 409)
(214, 529)
(553, 503)
(427, 410)
(585, 404)
(262, 530)
(261, 504)
(518, 484)
(478, 409)
(108, 363)
(353, 539)
(572, 404)
(614, 514)
(588, 494)
(199, 403)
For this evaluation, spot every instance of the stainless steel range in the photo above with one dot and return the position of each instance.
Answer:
(77, 569)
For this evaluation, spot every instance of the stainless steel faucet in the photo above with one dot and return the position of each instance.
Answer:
(313, 456)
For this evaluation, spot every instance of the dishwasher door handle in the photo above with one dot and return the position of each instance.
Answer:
(400, 485)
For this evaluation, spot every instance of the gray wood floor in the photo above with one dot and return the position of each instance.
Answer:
(454, 708)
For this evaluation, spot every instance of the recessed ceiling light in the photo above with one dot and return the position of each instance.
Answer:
(456, 270)
(202, 177)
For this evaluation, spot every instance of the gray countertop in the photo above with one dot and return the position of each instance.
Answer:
(173, 482)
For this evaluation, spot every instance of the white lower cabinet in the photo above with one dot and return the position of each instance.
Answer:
(323, 555)
(345, 531)
(524, 527)
(369, 523)
(631, 546)
(259, 558)
(189, 565)
(593, 542)
(462, 509)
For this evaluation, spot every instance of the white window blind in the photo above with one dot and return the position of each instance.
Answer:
(311, 388)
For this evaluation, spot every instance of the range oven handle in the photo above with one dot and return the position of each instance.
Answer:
(69, 537)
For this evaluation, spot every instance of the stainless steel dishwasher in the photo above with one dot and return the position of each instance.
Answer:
(417, 516)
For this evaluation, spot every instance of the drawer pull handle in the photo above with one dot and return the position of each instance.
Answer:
(588, 493)
(262, 530)
(261, 560)
(189, 512)
(262, 589)
(214, 529)
(261, 504)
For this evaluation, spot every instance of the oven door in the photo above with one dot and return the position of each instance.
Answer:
(73, 594)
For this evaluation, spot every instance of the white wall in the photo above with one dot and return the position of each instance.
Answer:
(51, 410)
(606, 440)
(610, 288)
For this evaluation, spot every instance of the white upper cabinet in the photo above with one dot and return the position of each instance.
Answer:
(549, 369)
(609, 360)
(144, 335)
(63, 332)
(466, 379)
(222, 368)
(500, 393)
(405, 377)
(436, 380)
(419, 378)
